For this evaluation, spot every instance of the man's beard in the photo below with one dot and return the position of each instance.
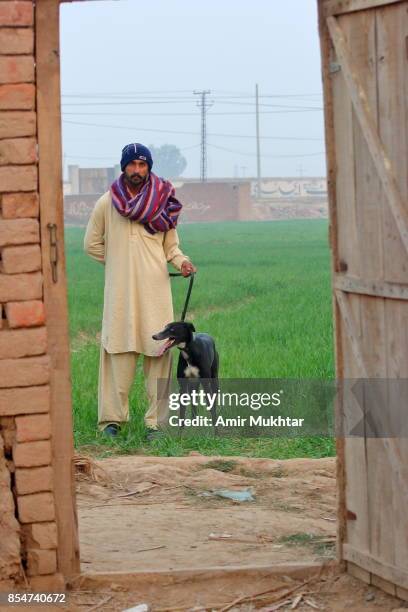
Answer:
(135, 180)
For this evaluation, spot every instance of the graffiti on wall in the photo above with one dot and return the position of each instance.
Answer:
(292, 188)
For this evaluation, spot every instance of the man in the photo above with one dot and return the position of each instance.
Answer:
(132, 231)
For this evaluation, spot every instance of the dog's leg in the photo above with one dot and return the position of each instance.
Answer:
(183, 387)
(215, 386)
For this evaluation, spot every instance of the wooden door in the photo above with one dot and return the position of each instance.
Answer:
(365, 72)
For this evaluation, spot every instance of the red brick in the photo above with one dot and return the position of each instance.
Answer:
(27, 400)
(33, 427)
(21, 259)
(17, 13)
(25, 314)
(15, 343)
(24, 372)
(41, 535)
(16, 40)
(18, 151)
(33, 480)
(36, 508)
(19, 96)
(41, 562)
(53, 583)
(19, 231)
(20, 286)
(16, 69)
(32, 454)
(17, 123)
(17, 205)
(18, 178)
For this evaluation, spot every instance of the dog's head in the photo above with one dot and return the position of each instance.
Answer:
(175, 333)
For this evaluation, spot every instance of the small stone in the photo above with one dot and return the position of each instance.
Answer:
(370, 596)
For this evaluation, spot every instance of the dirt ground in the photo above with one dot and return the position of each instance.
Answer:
(158, 515)
(155, 513)
(333, 592)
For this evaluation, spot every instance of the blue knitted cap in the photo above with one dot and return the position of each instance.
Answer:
(134, 151)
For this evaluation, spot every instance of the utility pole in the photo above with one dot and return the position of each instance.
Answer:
(258, 145)
(204, 105)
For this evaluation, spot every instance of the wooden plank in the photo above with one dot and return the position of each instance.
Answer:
(347, 221)
(402, 593)
(366, 119)
(397, 368)
(363, 559)
(326, 52)
(358, 572)
(384, 585)
(55, 294)
(338, 7)
(353, 335)
(392, 32)
(359, 31)
(382, 289)
(356, 494)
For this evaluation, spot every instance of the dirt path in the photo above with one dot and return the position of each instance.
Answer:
(153, 513)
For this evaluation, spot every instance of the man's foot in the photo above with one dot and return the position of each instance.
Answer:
(111, 430)
(153, 434)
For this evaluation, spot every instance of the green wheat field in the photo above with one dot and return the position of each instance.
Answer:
(262, 291)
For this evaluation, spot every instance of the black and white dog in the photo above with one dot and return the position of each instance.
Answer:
(198, 360)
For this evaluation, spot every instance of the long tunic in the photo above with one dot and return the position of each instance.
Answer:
(137, 295)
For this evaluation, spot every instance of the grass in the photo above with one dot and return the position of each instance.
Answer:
(222, 465)
(320, 544)
(262, 290)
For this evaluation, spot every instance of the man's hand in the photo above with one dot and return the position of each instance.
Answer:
(187, 268)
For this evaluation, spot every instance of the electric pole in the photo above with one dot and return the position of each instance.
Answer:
(204, 105)
(258, 144)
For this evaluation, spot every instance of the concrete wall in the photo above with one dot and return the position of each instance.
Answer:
(202, 202)
(91, 180)
(28, 531)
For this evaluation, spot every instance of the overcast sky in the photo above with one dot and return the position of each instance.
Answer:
(129, 68)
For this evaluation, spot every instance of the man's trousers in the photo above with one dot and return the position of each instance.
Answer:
(116, 376)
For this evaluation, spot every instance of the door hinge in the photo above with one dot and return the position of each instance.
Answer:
(53, 250)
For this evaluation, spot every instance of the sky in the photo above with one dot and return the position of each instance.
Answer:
(129, 70)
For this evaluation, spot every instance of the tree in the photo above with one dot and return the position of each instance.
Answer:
(168, 161)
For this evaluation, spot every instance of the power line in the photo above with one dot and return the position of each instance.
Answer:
(113, 157)
(291, 155)
(233, 94)
(290, 108)
(182, 132)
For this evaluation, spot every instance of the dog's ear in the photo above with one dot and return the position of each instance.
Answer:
(191, 326)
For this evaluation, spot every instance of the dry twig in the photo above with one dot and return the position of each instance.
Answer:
(101, 603)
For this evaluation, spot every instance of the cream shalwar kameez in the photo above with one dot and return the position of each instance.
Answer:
(137, 304)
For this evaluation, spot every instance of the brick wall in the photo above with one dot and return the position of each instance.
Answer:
(27, 530)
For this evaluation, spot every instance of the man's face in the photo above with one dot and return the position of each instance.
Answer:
(136, 172)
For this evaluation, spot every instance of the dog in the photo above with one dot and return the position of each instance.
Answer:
(198, 360)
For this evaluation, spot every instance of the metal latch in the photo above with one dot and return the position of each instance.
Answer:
(53, 250)
(334, 67)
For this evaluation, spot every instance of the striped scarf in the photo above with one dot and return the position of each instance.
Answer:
(155, 206)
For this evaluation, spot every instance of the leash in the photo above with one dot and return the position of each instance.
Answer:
(190, 288)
